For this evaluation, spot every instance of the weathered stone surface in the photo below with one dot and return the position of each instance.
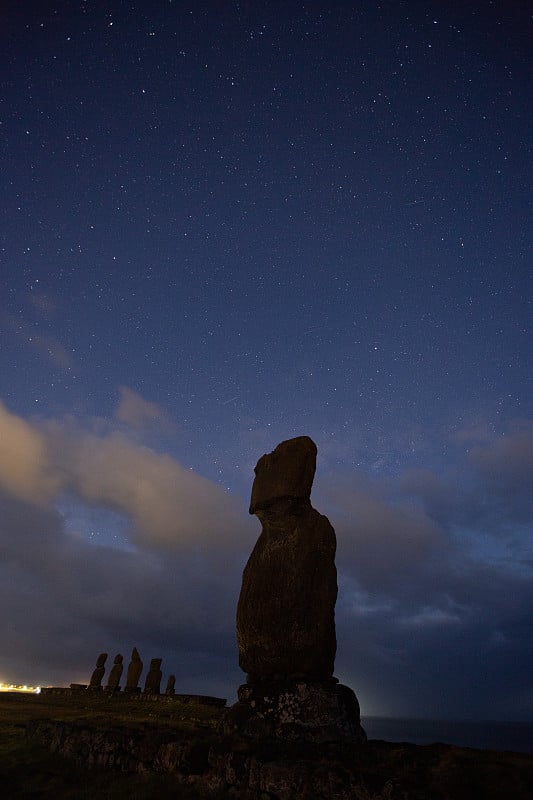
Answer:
(171, 682)
(243, 768)
(152, 684)
(98, 673)
(296, 711)
(115, 675)
(289, 585)
(134, 672)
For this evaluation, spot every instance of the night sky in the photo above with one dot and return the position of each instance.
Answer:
(224, 224)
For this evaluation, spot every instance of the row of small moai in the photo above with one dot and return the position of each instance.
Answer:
(152, 683)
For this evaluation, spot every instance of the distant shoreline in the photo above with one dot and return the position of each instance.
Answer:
(513, 736)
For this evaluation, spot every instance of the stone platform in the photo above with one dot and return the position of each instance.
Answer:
(296, 711)
(78, 690)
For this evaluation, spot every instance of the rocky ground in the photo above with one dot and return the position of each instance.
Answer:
(80, 748)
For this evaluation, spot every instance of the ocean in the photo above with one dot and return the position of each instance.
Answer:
(515, 736)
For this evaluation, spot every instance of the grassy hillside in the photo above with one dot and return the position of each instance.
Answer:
(28, 770)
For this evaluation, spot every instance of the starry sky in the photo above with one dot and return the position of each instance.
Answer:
(224, 224)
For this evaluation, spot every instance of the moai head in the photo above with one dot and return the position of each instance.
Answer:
(100, 661)
(286, 473)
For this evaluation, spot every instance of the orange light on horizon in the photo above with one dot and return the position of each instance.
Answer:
(13, 687)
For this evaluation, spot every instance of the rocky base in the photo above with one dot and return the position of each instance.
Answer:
(296, 711)
(242, 769)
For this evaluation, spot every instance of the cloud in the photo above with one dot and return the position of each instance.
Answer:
(136, 412)
(436, 584)
(24, 465)
(381, 543)
(477, 432)
(37, 339)
(430, 616)
(44, 303)
(52, 348)
(168, 504)
(507, 461)
(433, 614)
(65, 600)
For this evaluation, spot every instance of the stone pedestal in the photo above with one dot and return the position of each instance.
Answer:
(132, 690)
(297, 711)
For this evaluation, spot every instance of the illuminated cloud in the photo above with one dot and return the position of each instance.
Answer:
(175, 591)
(34, 337)
(65, 600)
(24, 466)
(138, 413)
(412, 588)
(167, 504)
(53, 349)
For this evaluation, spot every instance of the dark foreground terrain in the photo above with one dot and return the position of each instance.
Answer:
(114, 748)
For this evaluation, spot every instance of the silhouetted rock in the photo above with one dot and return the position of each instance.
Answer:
(152, 684)
(98, 673)
(134, 672)
(115, 675)
(286, 609)
(171, 682)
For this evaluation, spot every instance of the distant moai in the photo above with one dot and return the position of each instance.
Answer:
(98, 674)
(134, 672)
(170, 684)
(115, 675)
(152, 684)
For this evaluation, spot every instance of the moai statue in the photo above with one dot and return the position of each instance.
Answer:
(115, 674)
(134, 673)
(289, 584)
(96, 678)
(286, 612)
(152, 684)
(170, 684)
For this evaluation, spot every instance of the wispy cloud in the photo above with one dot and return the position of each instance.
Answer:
(140, 414)
(33, 336)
